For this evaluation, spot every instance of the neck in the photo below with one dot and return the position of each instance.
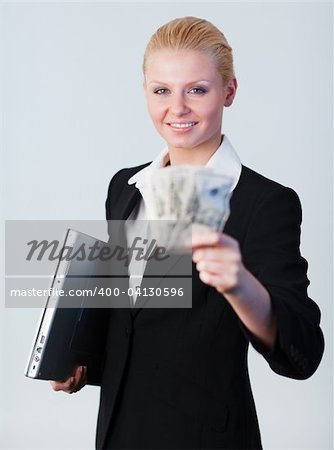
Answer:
(196, 156)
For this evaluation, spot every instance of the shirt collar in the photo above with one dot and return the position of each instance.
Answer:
(224, 161)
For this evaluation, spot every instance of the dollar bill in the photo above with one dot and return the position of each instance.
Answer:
(182, 196)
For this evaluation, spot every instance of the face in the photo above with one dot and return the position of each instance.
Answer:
(186, 97)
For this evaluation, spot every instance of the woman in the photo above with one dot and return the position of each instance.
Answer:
(178, 379)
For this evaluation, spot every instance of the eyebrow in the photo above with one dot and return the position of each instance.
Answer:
(190, 82)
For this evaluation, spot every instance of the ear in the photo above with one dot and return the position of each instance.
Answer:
(230, 90)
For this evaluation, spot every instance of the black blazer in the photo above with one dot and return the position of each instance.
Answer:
(178, 378)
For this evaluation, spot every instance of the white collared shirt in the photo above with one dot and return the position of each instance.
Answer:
(225, 161)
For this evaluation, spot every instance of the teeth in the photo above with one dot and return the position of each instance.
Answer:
(183, 125)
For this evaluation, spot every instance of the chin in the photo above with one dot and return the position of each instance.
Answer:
(182, 142)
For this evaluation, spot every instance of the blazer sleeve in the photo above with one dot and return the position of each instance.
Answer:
(95, 372)
(95, 367)
(271, 252)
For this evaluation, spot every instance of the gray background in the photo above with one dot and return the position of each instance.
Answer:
(73, 113)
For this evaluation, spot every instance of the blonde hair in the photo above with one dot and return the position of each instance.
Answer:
(192, 33)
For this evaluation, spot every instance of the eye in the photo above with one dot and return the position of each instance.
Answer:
(197, 90)
(161, 91)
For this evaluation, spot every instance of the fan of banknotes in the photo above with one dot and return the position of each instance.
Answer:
(179, 199)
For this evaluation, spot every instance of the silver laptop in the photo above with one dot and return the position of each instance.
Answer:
(72, 327)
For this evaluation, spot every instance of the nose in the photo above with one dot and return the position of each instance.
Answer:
(178, 105)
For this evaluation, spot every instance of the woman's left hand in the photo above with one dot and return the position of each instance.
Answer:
(218, 260)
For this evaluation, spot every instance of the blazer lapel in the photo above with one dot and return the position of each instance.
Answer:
(127, 200)
(119, 212)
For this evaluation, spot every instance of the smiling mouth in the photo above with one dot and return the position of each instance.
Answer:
(182, 125)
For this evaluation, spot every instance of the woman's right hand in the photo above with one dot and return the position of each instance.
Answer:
(74, 383)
